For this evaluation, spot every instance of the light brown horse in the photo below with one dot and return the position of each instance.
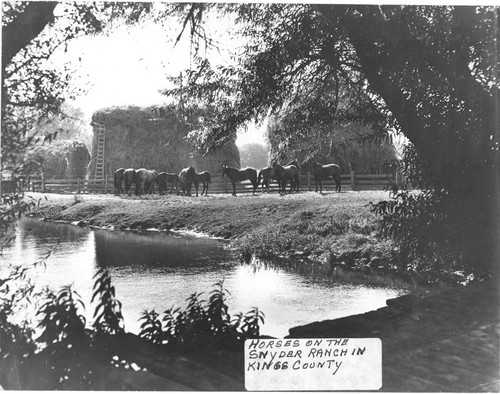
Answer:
(145, 180)
(236, 175)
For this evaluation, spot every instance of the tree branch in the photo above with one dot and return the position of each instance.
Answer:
(23, 29)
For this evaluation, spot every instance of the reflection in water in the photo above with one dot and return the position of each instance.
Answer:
(159, 270)
(114, 249)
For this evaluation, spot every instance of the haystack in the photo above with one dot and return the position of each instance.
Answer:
(60, 159)
(146, 137)
(78, 159)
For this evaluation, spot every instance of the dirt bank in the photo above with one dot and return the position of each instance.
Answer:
(218, 215)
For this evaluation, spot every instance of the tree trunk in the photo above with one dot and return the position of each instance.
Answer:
(17, 34)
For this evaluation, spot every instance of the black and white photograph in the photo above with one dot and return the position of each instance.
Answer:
(287, 196)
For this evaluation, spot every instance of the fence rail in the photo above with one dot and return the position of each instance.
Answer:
(219, 184)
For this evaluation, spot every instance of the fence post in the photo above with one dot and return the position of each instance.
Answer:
(353, 180)
(225, 183)
(43, 182)
(309, 180)
(106, 185)
(78, 185)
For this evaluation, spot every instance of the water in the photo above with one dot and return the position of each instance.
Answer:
(157, 270)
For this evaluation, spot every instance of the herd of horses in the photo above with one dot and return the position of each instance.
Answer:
(145, 180)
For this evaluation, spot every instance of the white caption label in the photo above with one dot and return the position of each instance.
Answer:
(313, 364)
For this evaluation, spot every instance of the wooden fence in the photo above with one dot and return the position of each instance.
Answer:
(219, 184)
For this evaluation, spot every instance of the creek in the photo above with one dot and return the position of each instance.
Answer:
(157, 270)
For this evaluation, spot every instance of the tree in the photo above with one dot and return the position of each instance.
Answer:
(427, 72)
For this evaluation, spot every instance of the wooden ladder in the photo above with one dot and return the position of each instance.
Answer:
(101, 145)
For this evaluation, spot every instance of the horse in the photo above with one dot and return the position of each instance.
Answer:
(129, 176)
(325, 171)
(205, 178)
(285, 173)
(164, 178)
(265, 175)
(293, 163)
(186, 178)
(145, 181)
(236, 175)
(118, 180)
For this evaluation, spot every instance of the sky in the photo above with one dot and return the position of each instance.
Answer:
(128, 67)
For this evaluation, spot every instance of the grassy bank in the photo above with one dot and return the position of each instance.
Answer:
(333, 231)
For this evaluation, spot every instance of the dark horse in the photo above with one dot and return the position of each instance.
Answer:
(118, 178)
(284, 174)
(204, 178)
(236, 175)
(145, 181)
(129, 176)
(186, 178)
(325, 171)
(164, 178)
(267, 173)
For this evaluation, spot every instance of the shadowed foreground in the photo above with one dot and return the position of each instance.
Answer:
(135, 365)
(445, 342)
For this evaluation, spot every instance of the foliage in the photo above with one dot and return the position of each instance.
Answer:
(68, 124)
(436, 235)
(151, 329)
(63, 319)
(108, 317)
(64, 350)
(202, 325)
(16, 338)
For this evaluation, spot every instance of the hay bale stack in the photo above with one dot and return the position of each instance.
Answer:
(60, 159)
(148, 138)
(77, 158)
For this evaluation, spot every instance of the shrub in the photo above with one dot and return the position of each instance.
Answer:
(108, 316)
(63, 319)
(436, 233)
(203, 324)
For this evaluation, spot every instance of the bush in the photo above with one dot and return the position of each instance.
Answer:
(202, 325)
(437, 234)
